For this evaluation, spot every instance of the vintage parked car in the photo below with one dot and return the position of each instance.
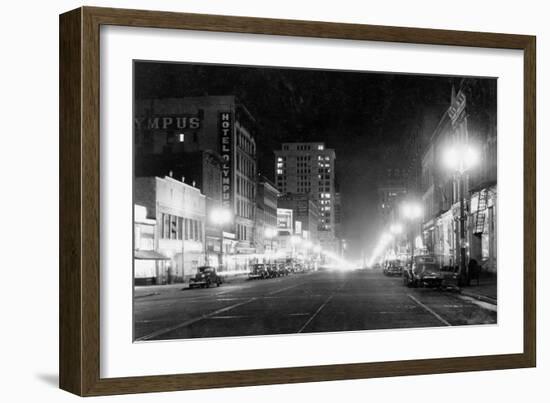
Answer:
(393, 268)
(259, 271)
(205, 277)
(272, 270)
(425, 271)
(299, 268)
(283, 270)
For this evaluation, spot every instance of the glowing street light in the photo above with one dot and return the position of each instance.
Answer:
(411, 210)
(461, 157)
(220, 216)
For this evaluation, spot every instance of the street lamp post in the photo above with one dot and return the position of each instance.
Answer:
(460, 158)
(317, 251)
(396, 229)
(221, 216)
(294, 241)
(463, 272)
(412, 211)
(270, 233)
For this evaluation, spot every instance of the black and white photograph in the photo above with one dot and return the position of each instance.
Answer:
(272, 200)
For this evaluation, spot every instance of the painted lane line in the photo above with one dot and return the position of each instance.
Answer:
(284, 289)
(428, 309)
(306, 296)
(194, 320)
(315, 313)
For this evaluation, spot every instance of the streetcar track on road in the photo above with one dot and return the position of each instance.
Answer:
(284, 289)
(214, 314)
(315, 313)
(321, 307)
(194, 320)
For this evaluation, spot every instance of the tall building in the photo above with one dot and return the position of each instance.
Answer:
(391, 191)
(308, 168)
(220, 124)
(305, 210)
(338, 214)
(266, 216)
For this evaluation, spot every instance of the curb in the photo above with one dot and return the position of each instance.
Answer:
(147, 295)
(479, 297)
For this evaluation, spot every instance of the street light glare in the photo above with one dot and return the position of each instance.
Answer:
(450, 159)
(412, 210)
(220, 216)
(471, 157)
(396, 229)
(295, 239)
(460, 158)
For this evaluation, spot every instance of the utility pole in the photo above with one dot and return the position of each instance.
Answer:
(463, 268)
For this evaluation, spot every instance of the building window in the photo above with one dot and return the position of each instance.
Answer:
(165, 226)
(180, 228)
(173, 227)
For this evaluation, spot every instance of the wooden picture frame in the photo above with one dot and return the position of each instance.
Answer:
(79, 201)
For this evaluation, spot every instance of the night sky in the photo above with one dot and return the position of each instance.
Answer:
(366, 117)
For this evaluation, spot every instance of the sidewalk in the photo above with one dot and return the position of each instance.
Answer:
(142, 291)
(486, 290)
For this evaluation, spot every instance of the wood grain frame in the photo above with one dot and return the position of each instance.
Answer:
(79, 201)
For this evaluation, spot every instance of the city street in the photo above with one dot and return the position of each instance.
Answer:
(322, 301)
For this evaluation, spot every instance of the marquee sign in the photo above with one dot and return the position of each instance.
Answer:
(225, 127)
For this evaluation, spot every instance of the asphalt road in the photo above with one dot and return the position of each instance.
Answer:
(323, 301)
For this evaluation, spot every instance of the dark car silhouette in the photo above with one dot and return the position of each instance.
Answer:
(205, 277)
(259, 271)
(425, 271)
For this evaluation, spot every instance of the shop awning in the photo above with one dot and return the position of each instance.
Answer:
(149, 255)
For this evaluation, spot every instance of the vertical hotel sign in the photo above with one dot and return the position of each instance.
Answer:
(226, 140)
